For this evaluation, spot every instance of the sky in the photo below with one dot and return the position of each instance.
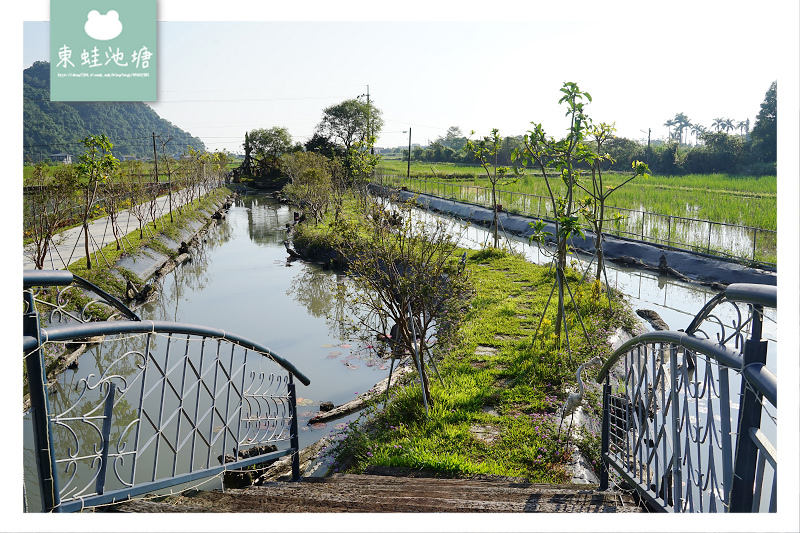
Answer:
(500, 69)
(229, 67)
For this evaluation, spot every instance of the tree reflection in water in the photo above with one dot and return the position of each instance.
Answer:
(319, 291)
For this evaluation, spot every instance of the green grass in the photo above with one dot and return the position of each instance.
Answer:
(742, 200)
(430, 170)
(100, 274)
(724, 200)
(508, 389)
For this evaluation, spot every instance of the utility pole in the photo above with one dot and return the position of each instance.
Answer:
(155, 157)
(409, 153)
(369, 131)
(169, 174)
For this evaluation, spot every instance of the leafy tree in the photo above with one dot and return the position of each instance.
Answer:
(324, 146)
(485, 150)
(698, 130)
(622, 152)
(219, 168)
(272, 142)
(682, 123)
(47, 209)
(724, 150)
(310, 181)
(138, 191)
(670, 123)
(168, 164)
(405, 275)
(360, 162)
(562, 156)
(262, 151)
(453, 139)
(728, 125)
(593, 206)
(95, 165)
(765, 130)
(668, 160)
(350, 121)
(115, 193)
(744, 127)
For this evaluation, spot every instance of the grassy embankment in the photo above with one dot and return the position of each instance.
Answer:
(496, 412)
(105, 258)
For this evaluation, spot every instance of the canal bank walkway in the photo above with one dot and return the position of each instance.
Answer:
(69, 244)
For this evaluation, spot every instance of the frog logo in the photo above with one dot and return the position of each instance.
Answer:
(103, 27)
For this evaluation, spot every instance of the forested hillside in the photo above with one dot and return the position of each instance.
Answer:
(57, 127)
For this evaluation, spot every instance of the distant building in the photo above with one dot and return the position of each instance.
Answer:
(61, 158)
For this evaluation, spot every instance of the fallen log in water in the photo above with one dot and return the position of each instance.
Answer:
(358, 403)
(281, 470)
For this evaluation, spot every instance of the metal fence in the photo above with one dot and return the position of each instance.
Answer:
(155, 404)
(715, 238)
(690, 420)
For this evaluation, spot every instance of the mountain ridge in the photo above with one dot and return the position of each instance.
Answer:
(51, 128)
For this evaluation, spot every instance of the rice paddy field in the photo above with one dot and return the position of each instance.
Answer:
(721, 214)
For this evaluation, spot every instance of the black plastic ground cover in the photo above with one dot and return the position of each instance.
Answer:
(637, 254)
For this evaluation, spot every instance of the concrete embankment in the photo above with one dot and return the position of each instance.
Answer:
(636, 254)
(150, 263)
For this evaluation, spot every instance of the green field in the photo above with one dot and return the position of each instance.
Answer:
(741, 200)
(147, 166)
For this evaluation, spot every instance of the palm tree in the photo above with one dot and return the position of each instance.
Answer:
(698, 130)
(669, 123)
(718, 123)
(728, 125)
(682, 123)
(744, 126)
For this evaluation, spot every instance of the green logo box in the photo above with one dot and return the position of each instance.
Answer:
(103, 50)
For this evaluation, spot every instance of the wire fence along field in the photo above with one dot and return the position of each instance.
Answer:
(743, 243)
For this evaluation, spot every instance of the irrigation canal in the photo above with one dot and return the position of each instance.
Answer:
(240, 280)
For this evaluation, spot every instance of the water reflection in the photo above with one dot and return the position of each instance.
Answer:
(266, 221)
(238, 280)
(317, 290)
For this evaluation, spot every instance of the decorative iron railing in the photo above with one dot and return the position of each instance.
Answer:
(670, 403)
(161, 404)
(54, 293)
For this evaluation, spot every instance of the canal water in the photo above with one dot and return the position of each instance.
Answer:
(240, 280)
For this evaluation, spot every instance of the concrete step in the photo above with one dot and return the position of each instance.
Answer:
(345, 493)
